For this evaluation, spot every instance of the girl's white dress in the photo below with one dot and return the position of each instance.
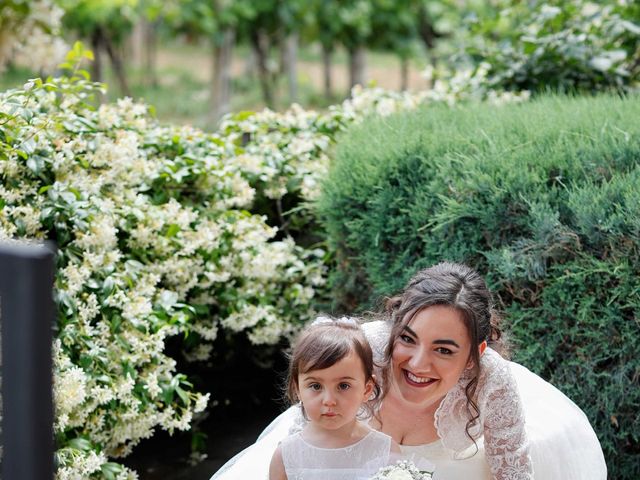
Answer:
(360, 461)
(552, 437)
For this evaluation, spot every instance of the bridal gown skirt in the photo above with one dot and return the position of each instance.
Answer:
(563, 444)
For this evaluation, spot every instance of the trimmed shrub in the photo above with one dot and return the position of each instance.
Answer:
(543, 199)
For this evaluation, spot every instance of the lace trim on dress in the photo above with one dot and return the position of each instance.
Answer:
(501, 420)
(355, 444)
(359, 460)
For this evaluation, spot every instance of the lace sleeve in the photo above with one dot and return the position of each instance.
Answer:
(505, 440)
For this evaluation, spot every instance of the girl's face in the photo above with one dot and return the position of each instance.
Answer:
(332, 396)
(430, 355)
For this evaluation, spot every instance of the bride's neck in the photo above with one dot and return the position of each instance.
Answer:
(407, 423)
(394, 402)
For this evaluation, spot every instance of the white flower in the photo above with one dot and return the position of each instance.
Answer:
(400, 475)
(101, 236)
(70, 389)
(201, 403)
(152, 386)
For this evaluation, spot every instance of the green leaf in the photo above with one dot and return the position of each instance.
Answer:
(110, 470)
(182, 394)
(80, 444)
(172, 231)
(108, 286)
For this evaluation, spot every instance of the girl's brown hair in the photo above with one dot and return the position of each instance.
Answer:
(460, 287)
(324, 344)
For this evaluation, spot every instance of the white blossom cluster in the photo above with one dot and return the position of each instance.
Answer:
(467, 83)
(288, 153)
(32, 39)
(80, 464)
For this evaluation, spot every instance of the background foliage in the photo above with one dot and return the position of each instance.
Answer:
(30, 34)
(168, 234)
(556, 45)
(541, 197)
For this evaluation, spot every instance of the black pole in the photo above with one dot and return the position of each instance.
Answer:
(26, 319)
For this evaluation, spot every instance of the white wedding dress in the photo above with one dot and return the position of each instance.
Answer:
(561, 443)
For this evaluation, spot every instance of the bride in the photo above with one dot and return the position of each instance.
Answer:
(452, 399)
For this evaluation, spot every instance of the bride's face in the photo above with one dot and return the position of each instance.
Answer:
(430, 355)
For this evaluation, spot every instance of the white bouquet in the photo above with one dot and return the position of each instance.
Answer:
(402, 470)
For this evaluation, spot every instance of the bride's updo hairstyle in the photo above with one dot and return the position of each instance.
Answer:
(457, 286)
(324, 343)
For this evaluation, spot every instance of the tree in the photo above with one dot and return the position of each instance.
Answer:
(216, 21)
(105, 24)
(325, 28)
(273, 25)
(144, 39)
(355, 31)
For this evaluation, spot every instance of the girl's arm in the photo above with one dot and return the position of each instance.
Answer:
(276, 468)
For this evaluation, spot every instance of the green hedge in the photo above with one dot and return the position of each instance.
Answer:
(544, 199)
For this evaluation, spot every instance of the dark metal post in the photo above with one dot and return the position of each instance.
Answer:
(26, 319)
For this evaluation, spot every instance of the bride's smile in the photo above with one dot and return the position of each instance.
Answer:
(430, 355)
(418, 381)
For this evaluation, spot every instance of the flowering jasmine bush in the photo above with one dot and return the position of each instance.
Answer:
(467, 83)
(286, 155)
(154, 240)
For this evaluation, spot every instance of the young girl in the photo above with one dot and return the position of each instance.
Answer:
(331, 375)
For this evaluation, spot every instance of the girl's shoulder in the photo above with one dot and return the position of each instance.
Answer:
(290, 440)
(378, 436)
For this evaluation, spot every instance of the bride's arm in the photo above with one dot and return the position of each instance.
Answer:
(505, 439)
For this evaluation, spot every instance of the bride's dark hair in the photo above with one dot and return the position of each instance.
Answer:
(460, 287)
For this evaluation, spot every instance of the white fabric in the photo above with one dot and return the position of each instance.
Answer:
(360, 461)
(501, 421)
(562, 444)
(472, 467)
